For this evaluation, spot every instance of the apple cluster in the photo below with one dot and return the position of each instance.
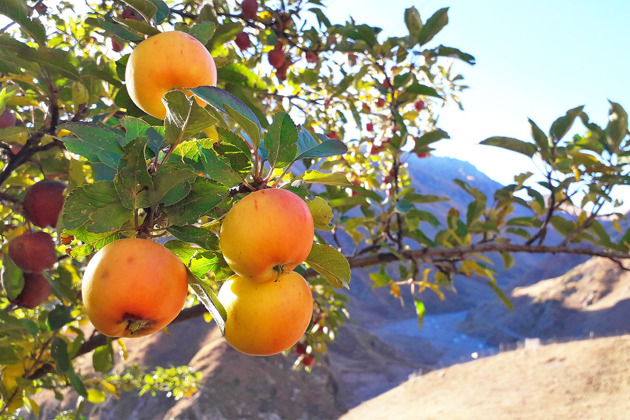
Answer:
(263, 238)
(34, 252)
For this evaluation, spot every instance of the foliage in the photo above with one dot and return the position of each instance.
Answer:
(129, 174)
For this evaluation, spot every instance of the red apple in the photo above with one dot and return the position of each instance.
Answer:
(36, 290)
(43, 202)
(422, 154)
(116, 46)
(311, 57)
(300, 349)
(33, 252)
(380, 102)
(249, 9)
(281, 73)
(7, 119)
(332, 135)
(308, 360)
(130, 13)
(386, 83)
(419, 105)
(276, 56)
(369, 127)
(242, 41)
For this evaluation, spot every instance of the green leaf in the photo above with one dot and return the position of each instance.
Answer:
(162, 10)
(308, 149)
(114, 28)
(235, 140)
(184, 117)
(241, 75)
(209, 299)
(59, 317)
(322, 19)
(203, 31)
(140, 27)
(509, 143)
(134, 127)
(202, 237)
(420, 311)
(132, 179)
(433, 25)
(331, 264)
(419, 89)
(204, 196)
(280, 141)
(321, 212)
(171, 183)
(425, 216)
(428, 138)
(413, 22)
(95, 142)
(455, 53)
(17, 11)
(508, 259)
(59, 353)
(96, 205)
(53, 59)
(617, 128)
(562, 125)
(234, 107)
(9, 354)
(146, 7)
(103, 358)
(563, 226)
(506, 300)
(336, 178)
(217, 169)
(422, 198)
(540, 138)
(12, 278)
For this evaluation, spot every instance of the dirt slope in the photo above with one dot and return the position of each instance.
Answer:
(587, 379)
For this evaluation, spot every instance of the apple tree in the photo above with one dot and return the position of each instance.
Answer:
(328, 111)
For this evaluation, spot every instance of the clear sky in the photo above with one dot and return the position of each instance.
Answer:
(535, 59)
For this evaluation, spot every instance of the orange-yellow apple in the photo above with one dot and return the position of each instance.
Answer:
(268, 232)
(167, 61)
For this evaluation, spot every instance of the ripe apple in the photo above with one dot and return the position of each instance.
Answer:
(369, 127)
(422, 154)
(41, 8)
(276, 56)
(7, 119)
(281, 73)
(133, 287)
(43, 202)
(116, 46)
(308, 361)
(266, 318)
(386, 83)
(33, 252)
(242, 41)
(266, 233)
(380, 102)
(300, 349)
(311, 57)
(131, 13)
(419, 105)
(167, 61)
(332, 135)
(36, 290)
(249, 9)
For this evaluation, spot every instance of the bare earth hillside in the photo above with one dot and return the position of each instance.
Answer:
(587, 379)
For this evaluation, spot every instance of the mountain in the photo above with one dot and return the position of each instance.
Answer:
(577, 380)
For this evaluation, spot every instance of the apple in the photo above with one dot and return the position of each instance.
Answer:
(130, 13)
(281, 73)
(422, 154)
(308, 361)
(35, 291)
(242, 41)
(249, 9)
(386, 83)
(300, 349)
(311, 57)
(276, 56)
(116, 46)
(7, 119)
(419, 105)
(43, 202)
(33, 252)
(380, 102)
(332, 135)
(369, 127)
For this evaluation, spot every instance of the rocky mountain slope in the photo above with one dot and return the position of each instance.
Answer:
(577, 380)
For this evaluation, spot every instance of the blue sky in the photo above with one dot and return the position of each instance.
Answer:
(535, 59)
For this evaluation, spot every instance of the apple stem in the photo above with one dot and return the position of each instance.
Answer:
(279, 269)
